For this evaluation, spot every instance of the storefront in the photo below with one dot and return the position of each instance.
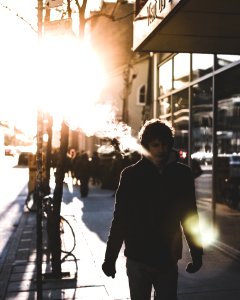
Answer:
(197, 90)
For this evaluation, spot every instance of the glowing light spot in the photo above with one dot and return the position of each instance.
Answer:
(208, 231)
(205, 234)
(193, 227)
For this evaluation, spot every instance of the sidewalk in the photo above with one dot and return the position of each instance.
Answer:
(90, 219)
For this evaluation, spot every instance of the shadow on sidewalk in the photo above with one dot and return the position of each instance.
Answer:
(96, 209)
(17, 265)
(18, 260)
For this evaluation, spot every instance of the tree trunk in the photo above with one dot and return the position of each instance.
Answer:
(55, 239)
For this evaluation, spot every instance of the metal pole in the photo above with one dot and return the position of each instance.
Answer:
(39, 177)
(214, 150)
(46, 179)
(39, 197)
(57, 199)
(155, 86)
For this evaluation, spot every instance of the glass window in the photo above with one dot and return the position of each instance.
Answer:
(142, 95)
(181, 121)
(202, 64)
(224, 60)
(202, 117)
(201, 147)
(228, 120)
(165, 109)
(165, 77)
(228, 147)
(181, 63)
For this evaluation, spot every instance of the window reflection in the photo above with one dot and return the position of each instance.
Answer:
(165, 77)
(202, 64)
(165, 109)
(228, 120)
(202, 116)
(228, 147)
(229, 125)
(175, 107)
(224, 60)
(181, 70)
(181, 119)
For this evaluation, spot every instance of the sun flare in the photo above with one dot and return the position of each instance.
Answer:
(60, 76)
(72, 79)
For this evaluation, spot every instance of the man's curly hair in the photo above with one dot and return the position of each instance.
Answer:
(155, 129)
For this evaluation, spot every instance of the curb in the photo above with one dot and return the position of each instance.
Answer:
(229, 251)
(10, 255)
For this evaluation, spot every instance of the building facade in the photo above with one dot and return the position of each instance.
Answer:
(196, 66)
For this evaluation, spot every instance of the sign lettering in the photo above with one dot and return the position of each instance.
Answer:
(154, 8)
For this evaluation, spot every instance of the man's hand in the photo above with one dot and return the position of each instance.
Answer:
(109, 269)
(195, 265)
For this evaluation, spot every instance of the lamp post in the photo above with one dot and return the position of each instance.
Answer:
(39, 180)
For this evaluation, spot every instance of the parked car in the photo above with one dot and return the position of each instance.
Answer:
(10, 150)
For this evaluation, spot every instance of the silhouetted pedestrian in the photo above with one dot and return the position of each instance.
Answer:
(155, 201)
(95, 169)
(82, 171)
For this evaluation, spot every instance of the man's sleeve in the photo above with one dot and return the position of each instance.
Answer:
(117, 230)
(190, 217)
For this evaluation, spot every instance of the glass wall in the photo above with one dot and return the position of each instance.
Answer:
(181, 71)
(165, 73)
(165, 109)
(224, 60)
(195, 89)
(228, 154)
(202, 126)
(180, 120)
(202, 120)
(202, 64)
(228, 132)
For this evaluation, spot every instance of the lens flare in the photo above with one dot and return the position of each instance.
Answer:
(209, 232)
(72, 77)
(205, 233)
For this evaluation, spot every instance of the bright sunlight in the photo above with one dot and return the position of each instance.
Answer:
(58, 75)
(72, 78)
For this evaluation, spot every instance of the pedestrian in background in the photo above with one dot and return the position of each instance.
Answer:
(82, 171)
(71, 156)
(155, 201)
(95, 169)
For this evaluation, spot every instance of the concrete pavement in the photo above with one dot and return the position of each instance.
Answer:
(90, 219)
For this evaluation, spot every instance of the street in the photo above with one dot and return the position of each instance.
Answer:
(84, 76)
(12, 197)
(90, 219)
(14, 189)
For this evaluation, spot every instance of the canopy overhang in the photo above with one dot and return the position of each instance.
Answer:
(191, 26)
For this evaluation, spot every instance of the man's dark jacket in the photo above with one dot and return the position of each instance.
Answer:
(151, 210)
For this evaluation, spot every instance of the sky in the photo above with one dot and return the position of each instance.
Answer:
(57, 75)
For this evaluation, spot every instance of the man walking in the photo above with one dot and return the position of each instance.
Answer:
(155, 202)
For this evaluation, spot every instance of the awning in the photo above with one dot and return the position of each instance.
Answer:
(192, 26)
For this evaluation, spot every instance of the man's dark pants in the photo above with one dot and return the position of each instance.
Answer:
(142, 278)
